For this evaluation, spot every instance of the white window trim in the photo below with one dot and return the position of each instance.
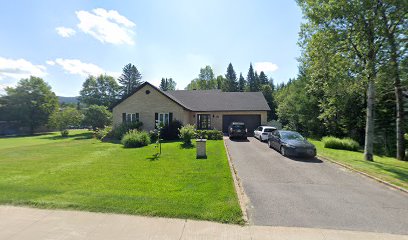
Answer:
(137, 119)
(164, 117)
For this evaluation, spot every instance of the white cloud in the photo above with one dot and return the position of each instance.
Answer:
(266, 67)
(75, 66)
(50, 62)
(106, 26)
(65, 32)
(20, 68)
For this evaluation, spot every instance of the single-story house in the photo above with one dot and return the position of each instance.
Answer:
(206, 109)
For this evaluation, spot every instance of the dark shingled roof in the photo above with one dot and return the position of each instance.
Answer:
(216, 100)
(212, 100)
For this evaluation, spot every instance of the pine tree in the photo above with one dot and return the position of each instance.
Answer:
(241, 83)
(251, 80)
(130, 79)
(263, 79)
(167, 84)
(231, 84)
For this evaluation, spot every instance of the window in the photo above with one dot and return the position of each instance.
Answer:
(130, 117)
(204, 121)
(163, 118)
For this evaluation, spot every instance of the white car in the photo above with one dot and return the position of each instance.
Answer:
(262, 132)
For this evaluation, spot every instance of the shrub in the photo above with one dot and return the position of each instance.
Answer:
(153, 136)
(187, 133)
(64, 133)
(123, 128)
(171, 131)
(337, 143)
(135, 139)
(101, 134)
(210, 134)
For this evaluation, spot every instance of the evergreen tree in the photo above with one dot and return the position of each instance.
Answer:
(263, 79)
(251, 79)
(231, 84)
(167, 84)
(272, 84)
(129, 80)
(241, 83)
(257, 82)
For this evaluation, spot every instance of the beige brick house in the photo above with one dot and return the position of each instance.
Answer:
(206, 109)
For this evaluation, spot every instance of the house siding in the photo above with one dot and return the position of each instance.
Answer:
(216, 121)
(147, 105)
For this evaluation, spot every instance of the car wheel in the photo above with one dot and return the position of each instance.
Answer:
(282, 150)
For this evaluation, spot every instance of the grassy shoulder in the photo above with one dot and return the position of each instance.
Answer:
(385, 168)
(83, 173)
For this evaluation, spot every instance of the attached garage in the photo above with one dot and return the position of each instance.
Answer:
(251, 122)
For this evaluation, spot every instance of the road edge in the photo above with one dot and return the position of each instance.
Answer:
(363, 173)
(243, 199)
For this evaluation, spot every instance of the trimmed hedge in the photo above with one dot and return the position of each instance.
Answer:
(338, 143)
(135, 139)
(210, 134)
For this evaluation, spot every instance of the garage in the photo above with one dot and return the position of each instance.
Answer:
(251, 122)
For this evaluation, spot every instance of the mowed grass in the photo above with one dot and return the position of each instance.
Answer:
(82, 173)
(385, 168)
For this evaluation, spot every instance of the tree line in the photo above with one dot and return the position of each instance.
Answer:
(229, 82)
(352, 74)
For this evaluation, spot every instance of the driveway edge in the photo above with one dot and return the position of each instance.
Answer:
(363, 173)
(239, 189)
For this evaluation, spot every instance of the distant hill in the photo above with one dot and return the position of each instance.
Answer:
(68, 99)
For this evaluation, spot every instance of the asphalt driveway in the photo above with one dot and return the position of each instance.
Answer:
(311, 193)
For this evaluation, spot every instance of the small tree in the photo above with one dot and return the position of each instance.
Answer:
(97, 117)
(64, 118)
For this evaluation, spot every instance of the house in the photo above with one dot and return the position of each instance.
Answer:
(207, 109)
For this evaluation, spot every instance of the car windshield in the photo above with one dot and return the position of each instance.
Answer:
(291, 136)
(238, 127)
(268, 130)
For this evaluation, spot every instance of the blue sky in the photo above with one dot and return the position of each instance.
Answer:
(64, 41)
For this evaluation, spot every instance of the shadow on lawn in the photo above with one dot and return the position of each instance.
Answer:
(154, 157)
(398, 173)
(80, 136)
(186, 146)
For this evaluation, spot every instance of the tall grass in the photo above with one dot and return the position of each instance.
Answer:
(340, 143)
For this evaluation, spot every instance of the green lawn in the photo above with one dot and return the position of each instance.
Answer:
(82, 173)
(385, 168)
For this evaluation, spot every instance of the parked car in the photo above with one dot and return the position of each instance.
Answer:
(237, 129)
(262, 132)
(291, 143)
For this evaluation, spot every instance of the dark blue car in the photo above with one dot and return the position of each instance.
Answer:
(290, 143)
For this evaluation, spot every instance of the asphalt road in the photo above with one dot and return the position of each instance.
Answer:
(311, 193)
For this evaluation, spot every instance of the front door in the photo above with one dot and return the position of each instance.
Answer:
(203, 121)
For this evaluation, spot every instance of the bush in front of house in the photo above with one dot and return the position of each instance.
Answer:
(153, 136)
(135, 139)
(340, 143)
(123, 128)
(187, 133)
(210, 134)
(171, 131)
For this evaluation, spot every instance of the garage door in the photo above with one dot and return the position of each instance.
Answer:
(251, 122)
